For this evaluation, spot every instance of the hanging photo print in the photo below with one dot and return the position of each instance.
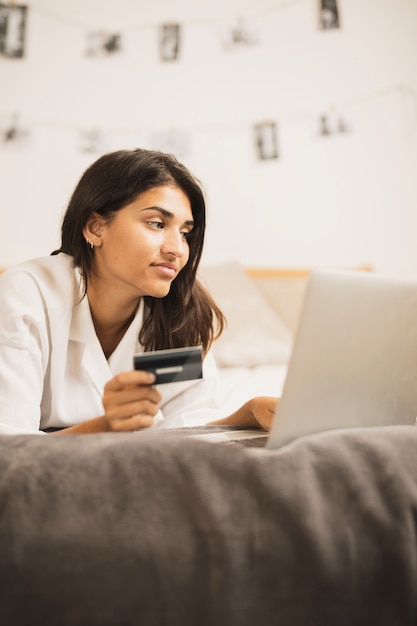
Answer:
(324, 127)
(92, 141)
(266, 140)
(12, 134)
(102, 43)
(342, 126)
(177, 142)
(12, 30)
(169, 41)
(240, 34)
(332, 123)
(329, 15)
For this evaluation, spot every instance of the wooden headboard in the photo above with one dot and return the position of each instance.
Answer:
(271, 273)
(283, 288)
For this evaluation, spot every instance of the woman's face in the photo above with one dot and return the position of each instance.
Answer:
(144, 246)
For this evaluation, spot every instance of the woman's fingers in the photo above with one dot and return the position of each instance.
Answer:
(130, 395)
(263, 410)
(130, 401)
(128, 409)
(136, 422)
(134, 378)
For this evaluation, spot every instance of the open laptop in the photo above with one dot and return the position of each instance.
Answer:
(354, 359)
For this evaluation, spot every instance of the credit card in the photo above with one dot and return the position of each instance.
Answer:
(171, 366)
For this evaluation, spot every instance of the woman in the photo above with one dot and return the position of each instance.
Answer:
(122, 282)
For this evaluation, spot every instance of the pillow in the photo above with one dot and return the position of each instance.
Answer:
(285, 296)
(255, 334)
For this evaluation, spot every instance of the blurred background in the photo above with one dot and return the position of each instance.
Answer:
(298, 116)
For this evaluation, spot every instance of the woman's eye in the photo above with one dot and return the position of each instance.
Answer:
(186, 234)
(156, 225)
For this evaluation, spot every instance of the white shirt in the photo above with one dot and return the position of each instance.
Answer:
(52, 367)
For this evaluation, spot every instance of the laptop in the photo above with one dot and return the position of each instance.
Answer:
(354, 359)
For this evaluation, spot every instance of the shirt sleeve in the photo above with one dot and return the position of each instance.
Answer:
(195, 404)
(23, 353)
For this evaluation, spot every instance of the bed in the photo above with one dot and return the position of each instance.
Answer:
(117, 530)
(113, 529)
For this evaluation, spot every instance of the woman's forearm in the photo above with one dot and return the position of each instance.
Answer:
(95, 425)
(255, 413)
(243, 416)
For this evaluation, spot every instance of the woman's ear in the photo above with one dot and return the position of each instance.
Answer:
(93, 230)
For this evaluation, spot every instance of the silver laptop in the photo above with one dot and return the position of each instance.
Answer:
(354, 360)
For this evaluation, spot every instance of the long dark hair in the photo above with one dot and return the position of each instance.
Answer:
(187, 315)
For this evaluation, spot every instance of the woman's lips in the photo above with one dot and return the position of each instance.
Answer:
(165, 269)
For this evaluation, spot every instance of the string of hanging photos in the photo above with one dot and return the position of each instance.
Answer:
(241, 32)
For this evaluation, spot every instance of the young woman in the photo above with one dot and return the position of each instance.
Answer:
(122, 282)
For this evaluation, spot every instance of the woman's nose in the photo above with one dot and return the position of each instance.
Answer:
(174, 244)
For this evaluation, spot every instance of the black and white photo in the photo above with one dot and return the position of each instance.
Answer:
(324, 127)
(333, 122)
(91, 140)
(169, 41)
(13, 134)
(329, 15)
(173, 140)
(103, 43)
(266, 140)
(240, 34)
(13, 19)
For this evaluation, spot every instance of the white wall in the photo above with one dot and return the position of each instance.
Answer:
(342, 199)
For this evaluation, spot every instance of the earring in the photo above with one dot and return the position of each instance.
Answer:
(90, 243)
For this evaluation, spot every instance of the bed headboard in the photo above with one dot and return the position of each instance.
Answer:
(283, 288)
(261, 306)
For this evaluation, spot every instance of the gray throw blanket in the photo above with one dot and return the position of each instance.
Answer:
(125, 529)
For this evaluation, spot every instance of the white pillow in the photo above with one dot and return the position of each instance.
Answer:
(254, 335)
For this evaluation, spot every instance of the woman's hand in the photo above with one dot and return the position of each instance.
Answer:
(256, 413)
(262, 411)
(130, 402)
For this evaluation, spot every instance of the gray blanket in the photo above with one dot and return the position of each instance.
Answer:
(121, 529)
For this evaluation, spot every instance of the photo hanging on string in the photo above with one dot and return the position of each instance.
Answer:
(240, 34)
(13, 135)
(173, 141)
(266, 140)
(169, 41)
(91, 141)
(329, 15)
(13, 20)
(102, 43)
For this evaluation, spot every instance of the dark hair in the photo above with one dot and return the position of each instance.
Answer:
(187, 315)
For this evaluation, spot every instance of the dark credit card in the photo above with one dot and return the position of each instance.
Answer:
(171, 366)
